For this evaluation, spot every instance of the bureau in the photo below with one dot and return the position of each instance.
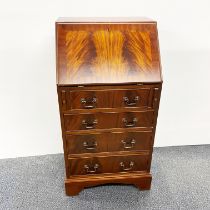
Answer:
(109, 84)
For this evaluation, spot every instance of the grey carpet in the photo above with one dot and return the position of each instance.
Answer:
(181, 180)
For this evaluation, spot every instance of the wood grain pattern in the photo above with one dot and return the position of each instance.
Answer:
(109, 60)
(107, 53)
(139, 46)
(108, 164)
(73, 187)
(109, 85)
(108, 142)
(77, 43)
(104, 120)
(109, 98)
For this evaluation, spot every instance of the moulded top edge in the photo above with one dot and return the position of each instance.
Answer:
(85, 20)
(109, 84)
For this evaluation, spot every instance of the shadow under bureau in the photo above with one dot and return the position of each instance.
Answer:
(109, 84)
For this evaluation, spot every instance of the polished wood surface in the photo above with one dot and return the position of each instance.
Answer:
(109, 98)
(109, 85)
(108, 164)
(107, 53)
(103, 120)
(74, 184)
(109, 142)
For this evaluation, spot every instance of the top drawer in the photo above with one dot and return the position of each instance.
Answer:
(106, 98)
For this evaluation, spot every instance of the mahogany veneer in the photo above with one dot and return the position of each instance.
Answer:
(109, 84)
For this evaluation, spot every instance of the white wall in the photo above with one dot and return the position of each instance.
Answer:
(29, 117)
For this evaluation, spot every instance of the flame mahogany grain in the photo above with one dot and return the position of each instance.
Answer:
(109, 84)
(107, 53)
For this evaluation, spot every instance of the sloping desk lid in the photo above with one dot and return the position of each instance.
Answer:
(107, 51)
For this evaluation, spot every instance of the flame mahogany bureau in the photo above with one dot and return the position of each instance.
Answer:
(109, 84)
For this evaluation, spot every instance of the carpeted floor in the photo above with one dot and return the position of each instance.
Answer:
(181, 180)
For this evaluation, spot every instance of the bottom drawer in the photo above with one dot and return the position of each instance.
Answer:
(108, 164)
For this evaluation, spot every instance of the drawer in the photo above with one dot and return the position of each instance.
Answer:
(109, 98)
(109, 142)
(105, 120)
(108, 164)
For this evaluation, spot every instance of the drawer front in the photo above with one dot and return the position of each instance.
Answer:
(109, 142)
(105, 120)
(90, 99)
(130, 141)
(90, 143)
(108, 164)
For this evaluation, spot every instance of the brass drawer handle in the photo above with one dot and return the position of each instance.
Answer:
(131, 165)
(91, 169)
(130, 124)
(89, 125)
(90, 147)
(131, 103)
(92, 101)
(128, 145)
